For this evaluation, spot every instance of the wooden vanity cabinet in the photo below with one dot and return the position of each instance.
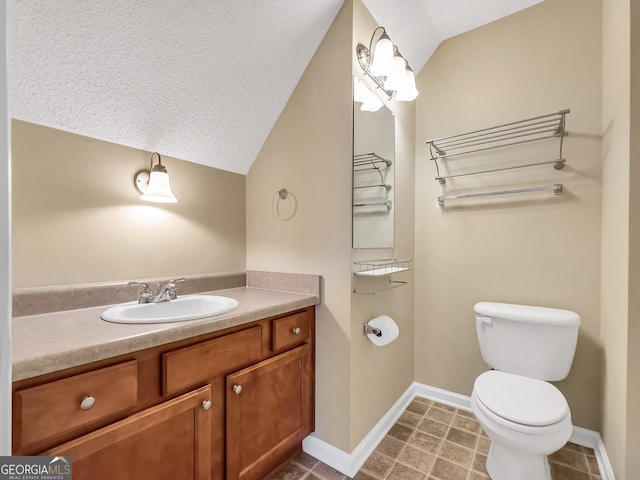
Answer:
(175, 411)
(73, 402)
(268, 412)
(167, 442)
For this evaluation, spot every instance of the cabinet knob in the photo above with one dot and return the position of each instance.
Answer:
(207, 405)
(296, 331)
(237, 389)
(87, 403)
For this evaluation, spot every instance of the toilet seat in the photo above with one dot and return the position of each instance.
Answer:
(520, 400)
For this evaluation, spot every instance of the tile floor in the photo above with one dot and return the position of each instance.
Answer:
(432, 441)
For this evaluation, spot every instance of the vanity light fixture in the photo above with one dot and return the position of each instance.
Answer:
(153, 184)
(389, 70)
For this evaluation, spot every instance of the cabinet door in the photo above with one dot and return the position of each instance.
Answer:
(269, 412)
(171, 441)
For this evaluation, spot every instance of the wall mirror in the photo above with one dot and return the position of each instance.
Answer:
(373, 174)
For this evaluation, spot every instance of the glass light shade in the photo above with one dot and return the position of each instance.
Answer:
(371, 104)
(398, 76)
(382, 57)
(408, 92)
(360, 90)
(159, 189)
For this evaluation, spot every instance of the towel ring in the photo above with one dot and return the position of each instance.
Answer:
(282, 194)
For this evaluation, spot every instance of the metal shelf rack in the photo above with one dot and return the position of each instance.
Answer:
(373, 161)
(380, 268)
(534, 129)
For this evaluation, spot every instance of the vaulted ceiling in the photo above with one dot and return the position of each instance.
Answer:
(200, 80)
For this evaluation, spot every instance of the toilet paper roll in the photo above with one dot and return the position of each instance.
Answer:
(389, 328)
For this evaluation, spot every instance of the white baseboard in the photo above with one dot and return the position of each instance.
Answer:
(591, 439)
(442, 396)
(350, 463)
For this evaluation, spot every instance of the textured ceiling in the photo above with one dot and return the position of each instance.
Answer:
(201, 80)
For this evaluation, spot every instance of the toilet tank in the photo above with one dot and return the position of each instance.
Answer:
(536, 342)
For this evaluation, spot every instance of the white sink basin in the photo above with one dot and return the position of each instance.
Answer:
(189, 307)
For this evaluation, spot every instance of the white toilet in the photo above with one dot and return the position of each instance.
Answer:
(525, 417)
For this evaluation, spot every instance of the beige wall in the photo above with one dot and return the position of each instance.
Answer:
(535, 249)
(620, 235)
(308, 152)
(380, 375)
(615, 227)
(78, 218)
(632, 467)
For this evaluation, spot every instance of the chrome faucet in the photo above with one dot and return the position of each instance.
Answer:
(168, 292)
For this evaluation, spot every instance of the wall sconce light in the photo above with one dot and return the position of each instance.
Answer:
(153, 184)
(387, 67)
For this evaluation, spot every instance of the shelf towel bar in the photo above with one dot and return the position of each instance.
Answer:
(558, 165)
(522, 131)
(388, 204)
(557, 190)
(386, 186)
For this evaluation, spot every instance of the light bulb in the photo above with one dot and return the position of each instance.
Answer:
(371, 104)
(159, 189)
(408, 92)
(382, 57)
(360, 90)
(398, 76)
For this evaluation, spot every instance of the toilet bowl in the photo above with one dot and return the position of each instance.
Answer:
(525, 417)
(526, 420)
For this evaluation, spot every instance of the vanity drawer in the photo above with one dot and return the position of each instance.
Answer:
(290, 330)
(189, 366)
(60, 406)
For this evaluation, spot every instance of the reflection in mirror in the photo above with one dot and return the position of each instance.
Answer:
(373, 176)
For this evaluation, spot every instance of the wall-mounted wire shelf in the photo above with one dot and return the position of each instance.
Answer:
(533, 129)
(366, 161)
(380, 268)
(372, 161)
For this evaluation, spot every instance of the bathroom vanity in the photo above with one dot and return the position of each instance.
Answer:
(233, 402)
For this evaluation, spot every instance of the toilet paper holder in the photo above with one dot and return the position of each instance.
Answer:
(367, 329)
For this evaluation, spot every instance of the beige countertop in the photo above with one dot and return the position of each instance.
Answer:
(50, 342)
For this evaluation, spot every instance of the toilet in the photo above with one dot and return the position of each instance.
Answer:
(525, 417)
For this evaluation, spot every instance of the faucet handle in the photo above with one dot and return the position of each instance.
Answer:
(145, 294)
(171, 283)
(173, 290)
(145, 286)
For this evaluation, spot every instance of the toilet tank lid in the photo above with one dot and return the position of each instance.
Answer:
(528, 314)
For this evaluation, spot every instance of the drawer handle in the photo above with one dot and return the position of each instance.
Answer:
(237, 389)
(87, 403)
(296, 331)
(207, 405)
